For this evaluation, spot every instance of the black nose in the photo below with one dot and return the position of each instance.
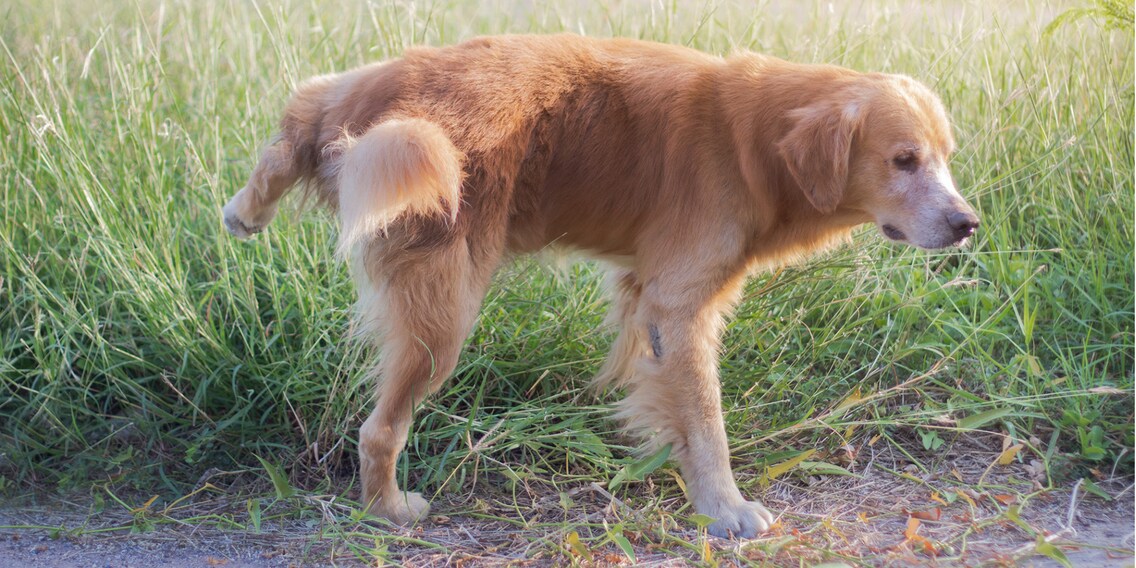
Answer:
(963, 222)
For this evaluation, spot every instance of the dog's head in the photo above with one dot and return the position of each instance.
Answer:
(880, 147)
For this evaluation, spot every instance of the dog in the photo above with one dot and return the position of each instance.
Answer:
(684, 171)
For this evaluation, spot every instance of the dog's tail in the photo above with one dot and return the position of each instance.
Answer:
(398, 167)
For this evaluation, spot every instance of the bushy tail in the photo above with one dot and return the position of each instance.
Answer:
(398, 167)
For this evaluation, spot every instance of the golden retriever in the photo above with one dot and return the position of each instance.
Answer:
(685, 171)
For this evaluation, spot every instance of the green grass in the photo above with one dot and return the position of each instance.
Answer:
(140, 345)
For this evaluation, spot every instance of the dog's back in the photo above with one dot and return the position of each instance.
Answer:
(572, 140)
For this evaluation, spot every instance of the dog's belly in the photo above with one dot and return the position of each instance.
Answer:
(599, 226)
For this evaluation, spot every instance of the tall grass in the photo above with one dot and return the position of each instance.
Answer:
(139, 342)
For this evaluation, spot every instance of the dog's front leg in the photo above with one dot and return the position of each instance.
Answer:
(706, 468)
(675, 395)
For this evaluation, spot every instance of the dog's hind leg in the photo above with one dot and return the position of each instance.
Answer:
(422, 305)
(631, 343)
(250, 210)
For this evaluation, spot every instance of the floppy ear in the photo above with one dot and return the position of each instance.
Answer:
(818, 148)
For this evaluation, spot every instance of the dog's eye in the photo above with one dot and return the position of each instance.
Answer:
(906, 161)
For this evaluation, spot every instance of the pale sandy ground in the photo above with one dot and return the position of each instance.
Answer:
(1101, 534)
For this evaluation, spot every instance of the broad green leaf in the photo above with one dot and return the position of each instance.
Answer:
(279, 480)
(617, 480)
(578, 547)
(566, 501)
(982, 418)
(824, 468)
(1047, 548)
(1014, 513)
(851, 400)
(1007, 456)
(1094, 453)
(253, 506)
(624, 545)
(780, 469)
(641, 469)
(701, 521)
(1095, 489)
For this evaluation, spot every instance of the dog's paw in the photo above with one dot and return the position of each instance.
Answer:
(406, 508)
(744, 519)
(236, 224)
(239, 229)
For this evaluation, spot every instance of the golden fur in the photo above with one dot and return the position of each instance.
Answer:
(685, 170)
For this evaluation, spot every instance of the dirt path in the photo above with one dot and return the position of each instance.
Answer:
(855, 520)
